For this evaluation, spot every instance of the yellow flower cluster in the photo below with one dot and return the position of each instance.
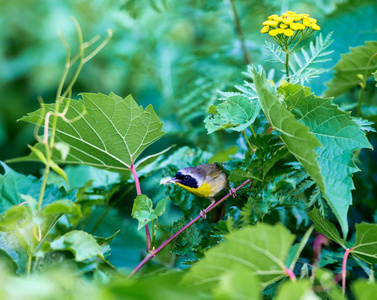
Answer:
(288, 23)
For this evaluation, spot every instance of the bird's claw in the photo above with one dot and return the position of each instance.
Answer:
(233, 192)
(203, 214)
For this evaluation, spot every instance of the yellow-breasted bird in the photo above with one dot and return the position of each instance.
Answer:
(206, 181)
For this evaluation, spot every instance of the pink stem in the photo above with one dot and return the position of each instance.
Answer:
(138, 191)
(153, 253)
(344, 269)
(290, 274)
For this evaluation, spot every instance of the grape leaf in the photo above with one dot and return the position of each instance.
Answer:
(363, 289)
(365, 246)
(349, 66)
(325, 227)
(296, 290)
(235, 113)
(111, 134)
(80, 243)
(339, 134)
(143, 211)
(296, 136)
(262, 249)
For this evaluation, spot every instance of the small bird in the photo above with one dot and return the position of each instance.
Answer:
(206, 181)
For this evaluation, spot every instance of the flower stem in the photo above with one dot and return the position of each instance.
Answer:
(287, 64)
(247, 141)
(153, 253)
(290, 274)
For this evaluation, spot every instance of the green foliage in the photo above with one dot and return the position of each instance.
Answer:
(352, 64)
(339, 136)
(112, 145)
(70, 234)
(235, 113)
(143, 211)
(261, 250)
(303, 66)
(81, 244)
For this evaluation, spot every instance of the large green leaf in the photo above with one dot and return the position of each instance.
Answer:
(340, 136)
(296, 136)
(365, 246)
(235, 113)
(348, 68)
(296, 291)
(364, 290)
(111, 134)
(261, 249)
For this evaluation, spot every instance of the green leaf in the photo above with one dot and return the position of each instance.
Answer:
(105, 242)
(111, 135)
(235, 113)
(224, 155)
(375, 76)
(261, 249)
(348, 68)
(14, 248)
(363, 289)
(13, 185)
(7, 261)
(62, 206)
(81, 244)
(14, 214)
(340, 136)
(365, 246)
(296, 136)
(325, 227)
(296, 290)
(237, 284)
(143, 211)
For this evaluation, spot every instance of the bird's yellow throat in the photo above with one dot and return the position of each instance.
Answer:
(203, 191)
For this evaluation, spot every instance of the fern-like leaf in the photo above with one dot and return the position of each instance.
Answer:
(276, 54)
(301, 64)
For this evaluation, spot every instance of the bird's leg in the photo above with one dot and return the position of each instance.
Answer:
(204, 211)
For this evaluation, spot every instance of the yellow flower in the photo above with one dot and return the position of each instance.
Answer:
(312, 20)
(283, 26)
(279, 19)
(287, 20)
(288, 32)
(280, 30)
(270, 23)
(294, 26)
(297, 18)
(300, 26)
(272, 17)
(306, 23)
(273, 32)
(265, 29)
(291, 12)
(316, 27)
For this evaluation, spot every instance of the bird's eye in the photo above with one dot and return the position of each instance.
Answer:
(186, 177)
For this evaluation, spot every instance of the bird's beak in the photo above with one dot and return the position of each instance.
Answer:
(167, 180)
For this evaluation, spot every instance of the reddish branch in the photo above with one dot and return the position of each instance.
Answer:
(153, 253)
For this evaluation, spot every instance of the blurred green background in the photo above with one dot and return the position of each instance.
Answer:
(174, 55)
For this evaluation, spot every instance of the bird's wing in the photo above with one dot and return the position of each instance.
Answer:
(213, 171)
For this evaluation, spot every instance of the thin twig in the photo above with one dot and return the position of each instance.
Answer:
(153, 253)
(240, 33)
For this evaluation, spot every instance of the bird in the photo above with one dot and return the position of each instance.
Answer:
(205, 181)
